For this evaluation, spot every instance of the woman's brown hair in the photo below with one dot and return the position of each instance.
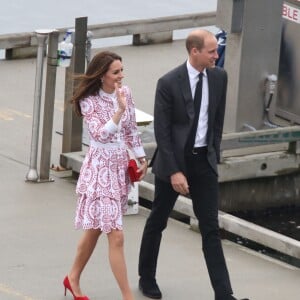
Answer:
(90, 82)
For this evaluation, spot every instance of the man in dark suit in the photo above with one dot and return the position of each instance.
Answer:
(188, 122)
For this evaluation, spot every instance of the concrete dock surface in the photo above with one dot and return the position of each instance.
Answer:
(38, 240)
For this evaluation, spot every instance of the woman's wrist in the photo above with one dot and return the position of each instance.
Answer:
(142, 160)
(120, 111)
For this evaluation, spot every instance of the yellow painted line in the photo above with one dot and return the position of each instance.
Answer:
(10, 114)
(6, 117)
(19, 113)
(9, 291)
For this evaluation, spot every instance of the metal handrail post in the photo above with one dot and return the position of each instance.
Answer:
(41, 36)
(49, 107)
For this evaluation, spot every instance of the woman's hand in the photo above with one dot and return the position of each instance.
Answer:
(121, 98)
(143, 168)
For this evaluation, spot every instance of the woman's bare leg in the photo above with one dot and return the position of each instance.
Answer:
(117, 262)
(85, 249)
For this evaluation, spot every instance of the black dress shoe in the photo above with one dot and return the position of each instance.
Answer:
(149, 288)
(230, 297)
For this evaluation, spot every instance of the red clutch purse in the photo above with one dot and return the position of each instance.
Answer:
(134, 175)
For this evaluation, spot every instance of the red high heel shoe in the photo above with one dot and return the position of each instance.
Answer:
(67, 285)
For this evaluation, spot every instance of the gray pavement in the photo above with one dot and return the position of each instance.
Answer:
(38, 240)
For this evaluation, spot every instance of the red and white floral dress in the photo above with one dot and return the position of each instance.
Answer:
(103, 184)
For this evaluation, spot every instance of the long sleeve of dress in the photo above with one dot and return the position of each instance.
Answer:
(100, 129)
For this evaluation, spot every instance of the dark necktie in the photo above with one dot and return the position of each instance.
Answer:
(197, 105)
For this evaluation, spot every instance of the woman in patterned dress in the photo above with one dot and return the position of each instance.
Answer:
(103, 185)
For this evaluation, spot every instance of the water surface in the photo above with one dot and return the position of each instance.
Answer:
(22, 16)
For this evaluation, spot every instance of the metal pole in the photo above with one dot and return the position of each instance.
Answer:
(41, 36)
(49, 107)
(72, 124)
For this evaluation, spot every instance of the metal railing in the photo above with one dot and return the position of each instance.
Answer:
(115, 29)
(237, 140)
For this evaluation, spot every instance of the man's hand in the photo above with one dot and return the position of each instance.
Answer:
(179, 183)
